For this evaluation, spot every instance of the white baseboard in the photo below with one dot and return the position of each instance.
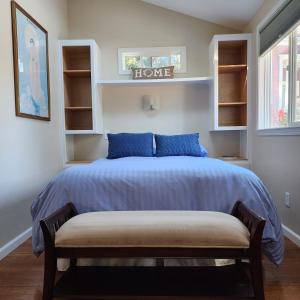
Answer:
(16, 242)
(291, 235)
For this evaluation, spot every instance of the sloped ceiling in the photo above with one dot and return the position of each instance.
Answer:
(230, 13)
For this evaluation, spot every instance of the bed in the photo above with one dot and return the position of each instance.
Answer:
(159, 183)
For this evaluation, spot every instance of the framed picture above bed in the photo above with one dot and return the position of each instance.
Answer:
(31, 65)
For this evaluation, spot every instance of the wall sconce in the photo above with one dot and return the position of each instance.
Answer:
(151, 102)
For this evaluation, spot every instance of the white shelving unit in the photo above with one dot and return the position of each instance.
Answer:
(81, 87)
(230, 56)
(188, 80)
(230, 66)
(80, 101)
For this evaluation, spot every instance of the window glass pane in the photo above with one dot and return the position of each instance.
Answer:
(175, 61)
(151, 58)
(297, 76)
(132, 62)
(160, 61)
(146, 62)
(278, 114)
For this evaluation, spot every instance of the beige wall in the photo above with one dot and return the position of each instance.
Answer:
(133, 23)
(276, 159)
(30, 150)
(183, 109)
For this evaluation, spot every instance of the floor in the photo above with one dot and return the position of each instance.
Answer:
(21, 275)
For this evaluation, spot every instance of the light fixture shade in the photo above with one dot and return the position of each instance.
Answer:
(151, 102)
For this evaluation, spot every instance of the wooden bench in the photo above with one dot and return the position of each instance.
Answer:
(156, 234)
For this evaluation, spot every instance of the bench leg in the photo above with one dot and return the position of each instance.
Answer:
(49, 277)
(257, 277)
(160, 262)
(73, 262)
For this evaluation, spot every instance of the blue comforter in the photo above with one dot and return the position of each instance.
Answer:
(167, 183)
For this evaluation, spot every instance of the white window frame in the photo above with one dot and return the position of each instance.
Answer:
(293, 79)
(152, 51)
(263, 106)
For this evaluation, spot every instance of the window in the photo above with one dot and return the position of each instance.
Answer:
(279, 83)
(297, 77)
(154, 57)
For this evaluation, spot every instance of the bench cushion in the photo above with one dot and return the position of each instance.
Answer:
(199, 229)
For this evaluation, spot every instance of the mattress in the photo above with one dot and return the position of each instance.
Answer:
(165, 183)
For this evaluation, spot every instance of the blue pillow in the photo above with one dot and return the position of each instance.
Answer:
(130, 144)
(179, 145)
(204, 152)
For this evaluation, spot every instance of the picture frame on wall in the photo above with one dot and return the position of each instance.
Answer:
(31, 65)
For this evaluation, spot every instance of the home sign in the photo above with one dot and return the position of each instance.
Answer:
(153, 73)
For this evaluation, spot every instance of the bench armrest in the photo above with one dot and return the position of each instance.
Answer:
(252, 221)
(53, 222)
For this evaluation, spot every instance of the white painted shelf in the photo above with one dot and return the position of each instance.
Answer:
(188, 80)
(241, 162)
(72, 163)
(229, 128)
(79, 131)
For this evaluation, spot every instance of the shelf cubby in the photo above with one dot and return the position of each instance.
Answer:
(232, 83)
(79, 119)
(77, 91)
(76, 58)
(77, 88)
(235, 115)
(233, 52)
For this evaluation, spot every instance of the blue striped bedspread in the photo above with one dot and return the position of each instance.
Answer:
(166, 183)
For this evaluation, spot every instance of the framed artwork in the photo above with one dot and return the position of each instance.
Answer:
(31, 65)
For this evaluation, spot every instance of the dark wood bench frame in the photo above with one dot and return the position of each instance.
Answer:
(51, 224)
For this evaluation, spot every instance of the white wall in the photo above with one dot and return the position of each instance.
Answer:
(276, 159)
(30, 150)
(133, 23)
